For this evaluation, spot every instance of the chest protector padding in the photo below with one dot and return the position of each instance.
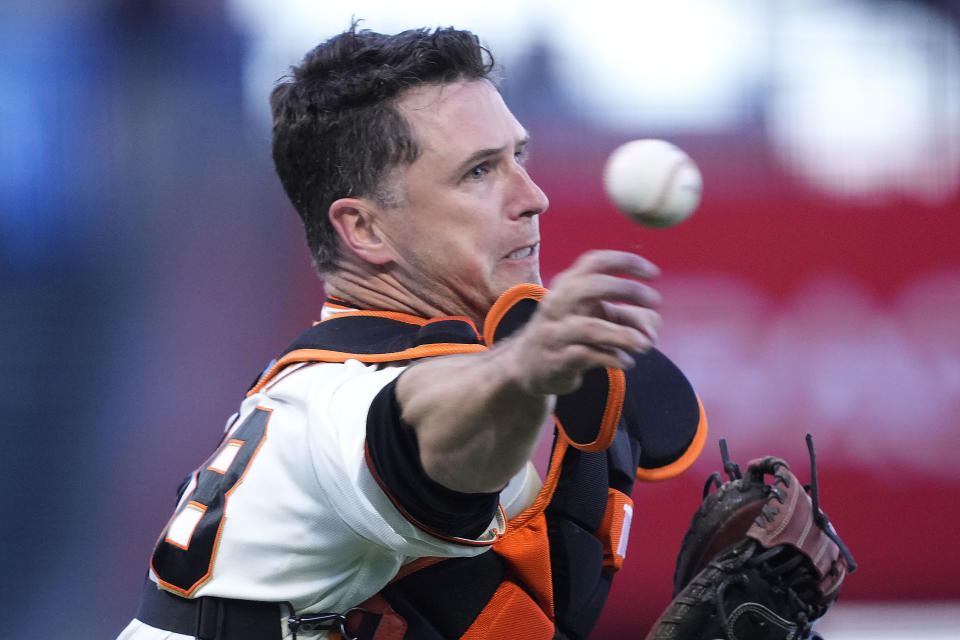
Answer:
(580, 579)
(443, 600)
(553, 568)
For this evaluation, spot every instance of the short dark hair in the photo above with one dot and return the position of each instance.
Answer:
(336, 131)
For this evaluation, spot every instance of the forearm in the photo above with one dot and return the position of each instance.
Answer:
(476, 425)
(478, 416)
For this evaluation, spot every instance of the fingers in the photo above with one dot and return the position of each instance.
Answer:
(609, 261)
(605, 336)
(583, 293)
(597, 313)
(599, 276)
(645, 320)
(561, 370)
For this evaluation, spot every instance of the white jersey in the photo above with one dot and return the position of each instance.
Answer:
(306, 522)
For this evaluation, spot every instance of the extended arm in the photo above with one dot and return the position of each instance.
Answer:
(477, 417)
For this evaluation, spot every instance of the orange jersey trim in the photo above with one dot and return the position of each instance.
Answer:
(216, 542)
(682, 463)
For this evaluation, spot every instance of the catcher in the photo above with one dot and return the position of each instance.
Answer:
(376, 481)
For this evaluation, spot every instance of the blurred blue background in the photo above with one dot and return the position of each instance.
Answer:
(150, 265)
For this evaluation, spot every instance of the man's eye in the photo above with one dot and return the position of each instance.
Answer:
(478, 171)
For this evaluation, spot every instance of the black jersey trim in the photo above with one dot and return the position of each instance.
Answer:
(394, 456)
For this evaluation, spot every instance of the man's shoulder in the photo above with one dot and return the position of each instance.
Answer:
(313, 379)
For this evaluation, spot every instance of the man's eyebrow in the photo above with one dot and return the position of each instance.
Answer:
(480, 155)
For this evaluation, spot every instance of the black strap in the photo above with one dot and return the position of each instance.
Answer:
(209, 618)
(377, 334)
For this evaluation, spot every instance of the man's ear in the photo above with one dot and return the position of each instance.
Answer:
(356, 221)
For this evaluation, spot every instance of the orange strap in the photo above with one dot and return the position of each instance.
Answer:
(504, 303)
(614, 531)
(682, 463)
(612, 410)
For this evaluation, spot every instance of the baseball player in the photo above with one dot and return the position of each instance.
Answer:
(376, 481)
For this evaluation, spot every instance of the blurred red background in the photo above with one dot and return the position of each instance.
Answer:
(888, 496)
(150, 265)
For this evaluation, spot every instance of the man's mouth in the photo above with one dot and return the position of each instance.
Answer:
(523, 252)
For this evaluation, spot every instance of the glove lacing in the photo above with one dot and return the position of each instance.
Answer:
(791, 574)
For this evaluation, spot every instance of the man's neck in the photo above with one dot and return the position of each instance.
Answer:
(380, 292)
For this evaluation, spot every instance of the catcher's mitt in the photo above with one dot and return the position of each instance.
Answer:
(760, 560)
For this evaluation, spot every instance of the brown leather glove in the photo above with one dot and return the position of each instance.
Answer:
(760, 560)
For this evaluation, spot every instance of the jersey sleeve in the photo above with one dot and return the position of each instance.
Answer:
(370, 468)
(393, 456)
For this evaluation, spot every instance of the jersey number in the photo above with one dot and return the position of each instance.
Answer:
(183, 558)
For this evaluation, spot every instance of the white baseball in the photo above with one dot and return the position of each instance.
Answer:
(653, 182)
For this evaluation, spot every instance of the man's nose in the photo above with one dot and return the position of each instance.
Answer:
(531, 199)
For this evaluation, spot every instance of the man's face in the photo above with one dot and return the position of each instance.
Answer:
(467, 229)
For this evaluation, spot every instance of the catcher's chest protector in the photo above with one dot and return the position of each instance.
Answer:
(552, 569)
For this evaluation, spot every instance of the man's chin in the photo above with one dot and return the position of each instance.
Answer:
(532, 278)
(529, 275)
